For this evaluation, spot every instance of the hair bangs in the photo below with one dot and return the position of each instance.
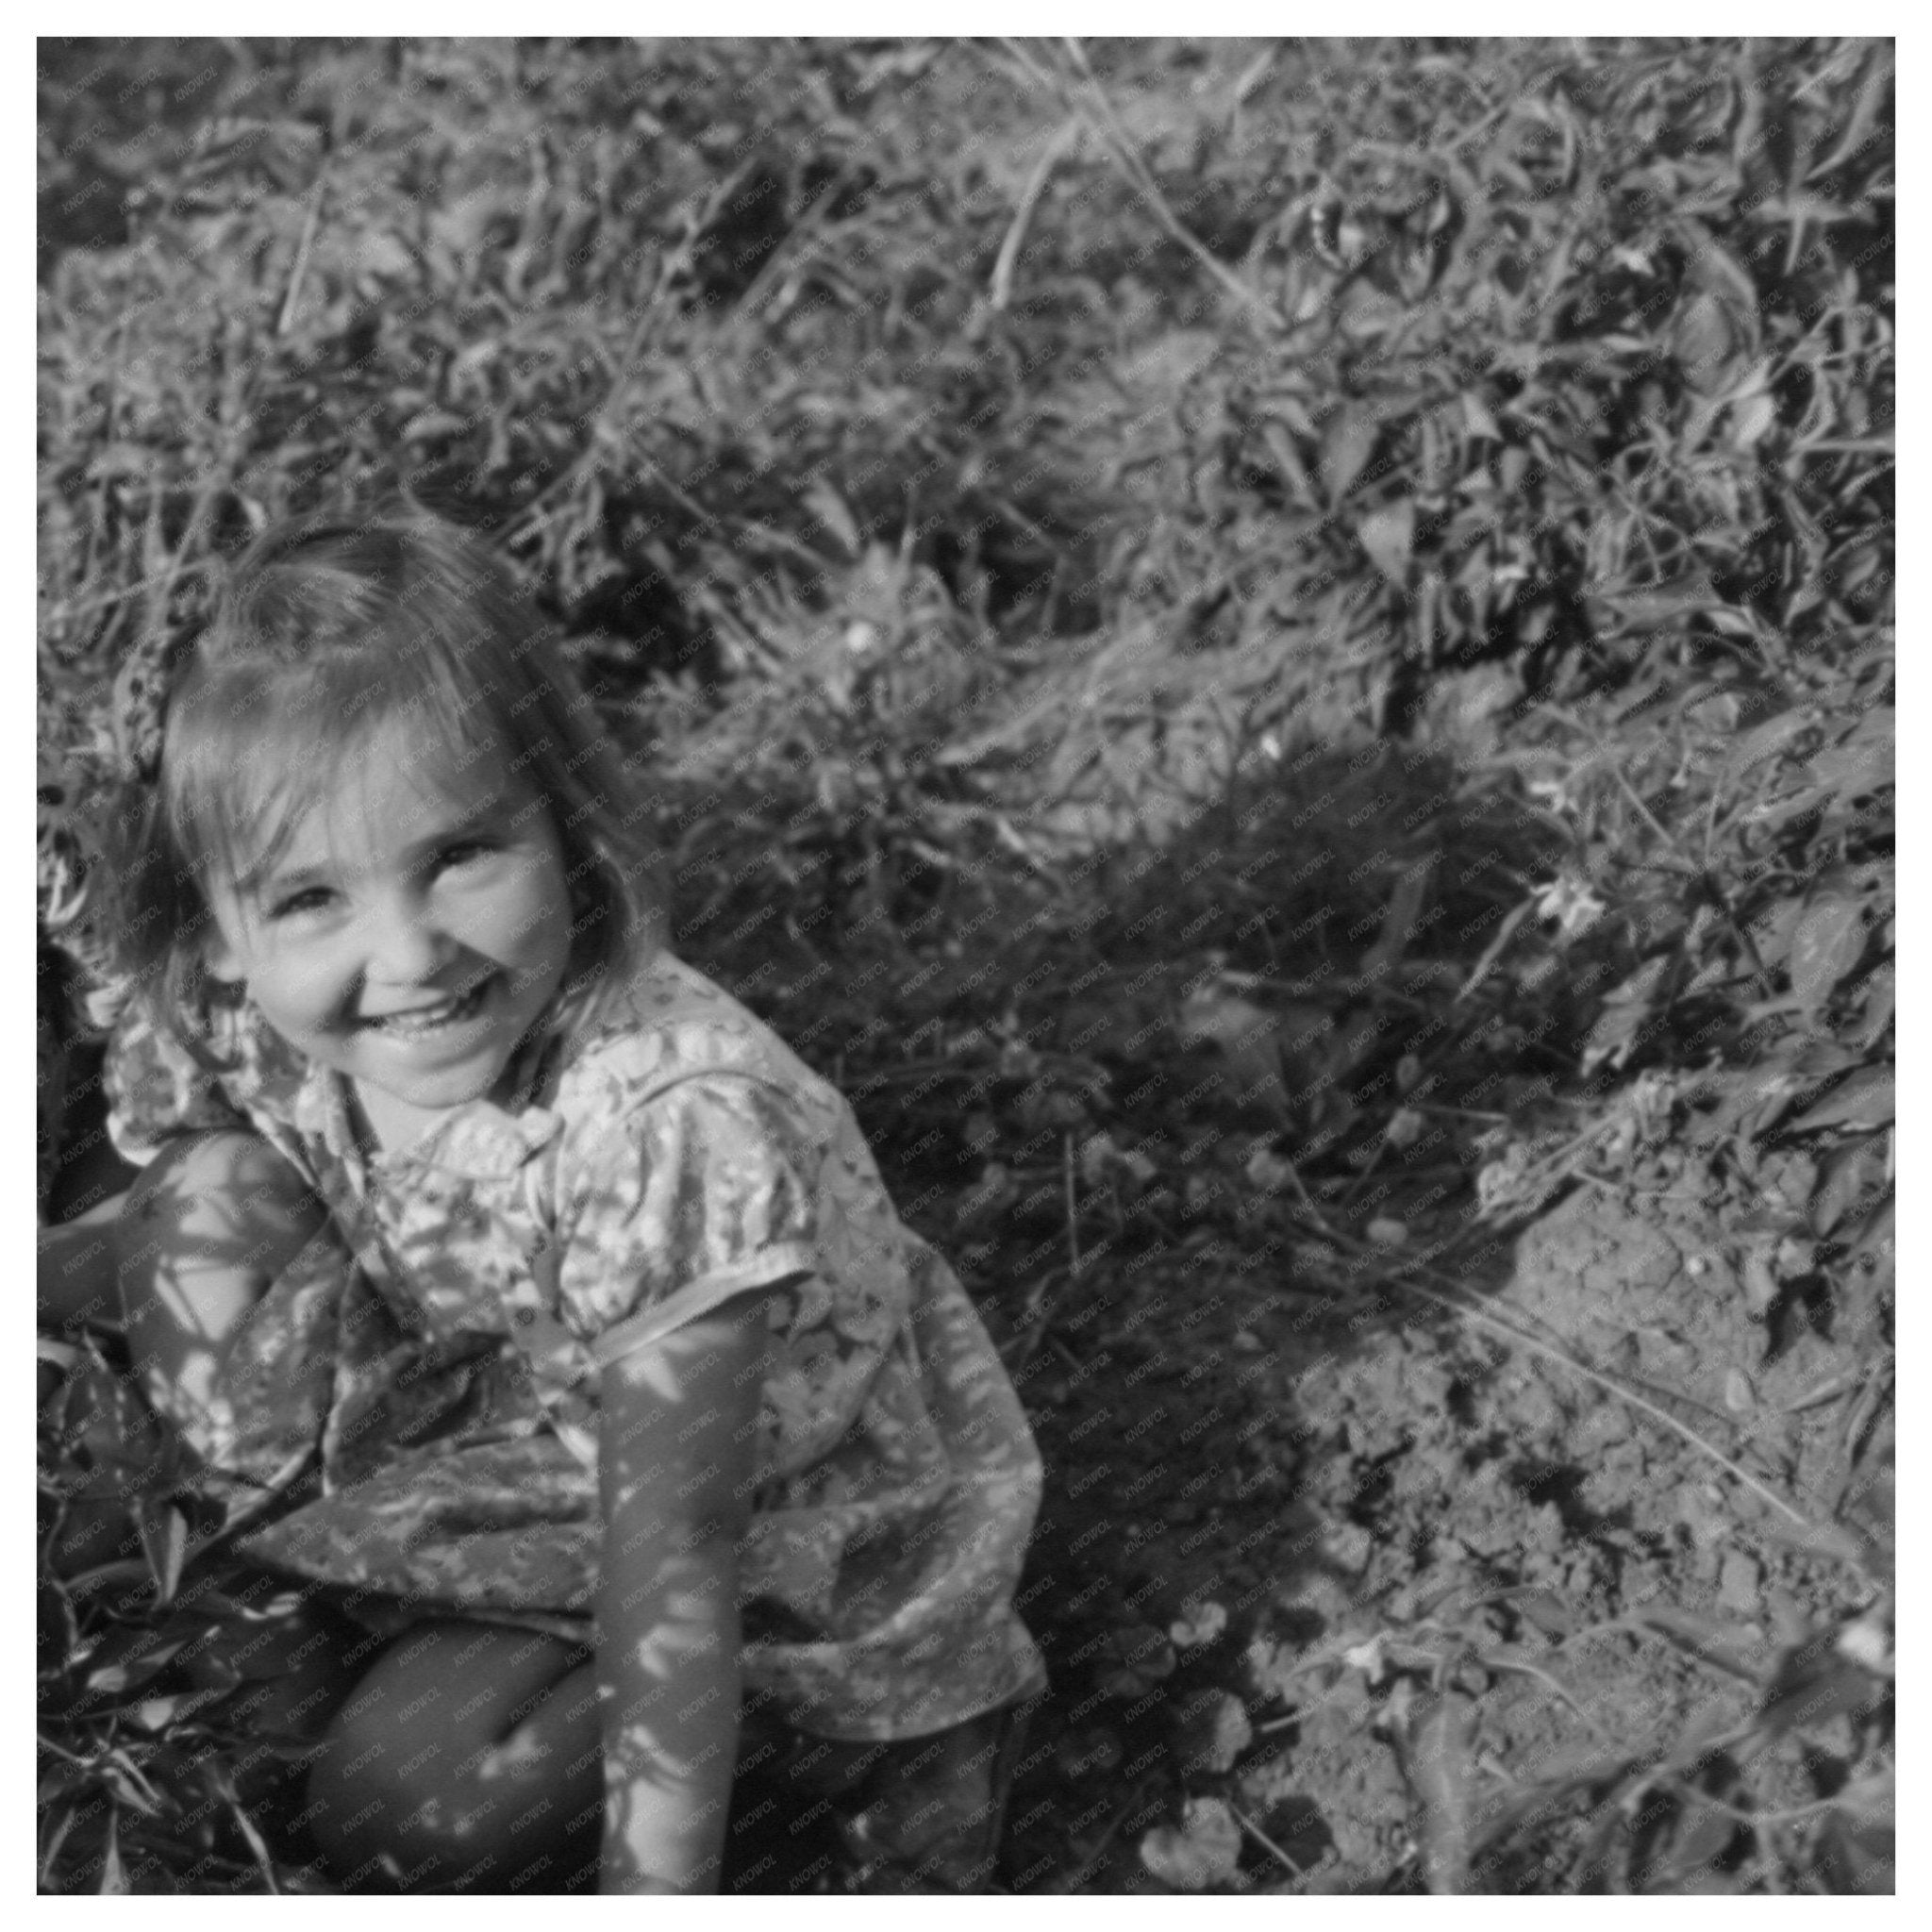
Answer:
(256, 747)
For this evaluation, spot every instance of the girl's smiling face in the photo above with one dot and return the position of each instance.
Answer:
(410, 934)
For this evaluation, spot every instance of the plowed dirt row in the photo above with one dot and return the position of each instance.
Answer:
(1338, 1586)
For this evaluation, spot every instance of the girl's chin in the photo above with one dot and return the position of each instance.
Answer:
(431, 1073)
(399, 1111)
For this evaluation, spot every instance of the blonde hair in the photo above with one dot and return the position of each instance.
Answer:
(327, 632)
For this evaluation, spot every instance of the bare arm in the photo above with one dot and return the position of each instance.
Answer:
(204, 1232)
(678, 1447)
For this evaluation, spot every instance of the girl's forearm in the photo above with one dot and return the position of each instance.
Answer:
(669, 1665)
(676, 1470)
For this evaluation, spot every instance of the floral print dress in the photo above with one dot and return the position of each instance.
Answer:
(421, 1384)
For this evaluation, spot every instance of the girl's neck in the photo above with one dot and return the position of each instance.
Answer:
(385, 1125)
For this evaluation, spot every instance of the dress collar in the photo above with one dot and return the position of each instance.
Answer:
(480, 1140)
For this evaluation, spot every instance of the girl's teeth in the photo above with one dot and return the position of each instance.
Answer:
(431, 1017)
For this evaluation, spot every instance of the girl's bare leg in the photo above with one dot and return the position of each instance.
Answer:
(469, 1758)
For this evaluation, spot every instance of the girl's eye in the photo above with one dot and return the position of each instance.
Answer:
(465, 850)
(309, 899)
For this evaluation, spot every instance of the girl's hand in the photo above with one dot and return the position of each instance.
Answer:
(677, 1469)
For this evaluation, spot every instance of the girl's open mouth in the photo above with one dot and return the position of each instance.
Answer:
(427, 1021)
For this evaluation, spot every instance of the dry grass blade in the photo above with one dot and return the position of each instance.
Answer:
(1494, 1660)
(299, 267)
(1001, 288)
(1266, 1843)
(1495, 949)
(251, 1833)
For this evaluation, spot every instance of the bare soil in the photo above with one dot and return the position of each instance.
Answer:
(1338, 1584)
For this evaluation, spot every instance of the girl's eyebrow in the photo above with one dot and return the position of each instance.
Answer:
(293, 879)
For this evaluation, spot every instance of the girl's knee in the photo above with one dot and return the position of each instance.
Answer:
(221, 1156)
(221, 1198)
(208, 1229)
(240, 1169)
(375, 1804)
(420, 1777)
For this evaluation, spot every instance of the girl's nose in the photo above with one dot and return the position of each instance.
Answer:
(406, 947)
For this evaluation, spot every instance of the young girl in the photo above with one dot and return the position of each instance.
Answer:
(655, 1461)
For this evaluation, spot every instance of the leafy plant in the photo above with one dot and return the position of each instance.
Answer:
(1113, 559)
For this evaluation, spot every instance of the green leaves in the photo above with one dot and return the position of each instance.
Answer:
(1389, 536)
(1863, 1102)
(1346, 447)
(1705, 341)
(1825, 943)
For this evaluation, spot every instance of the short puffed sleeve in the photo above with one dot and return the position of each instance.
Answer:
(680, 1202)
